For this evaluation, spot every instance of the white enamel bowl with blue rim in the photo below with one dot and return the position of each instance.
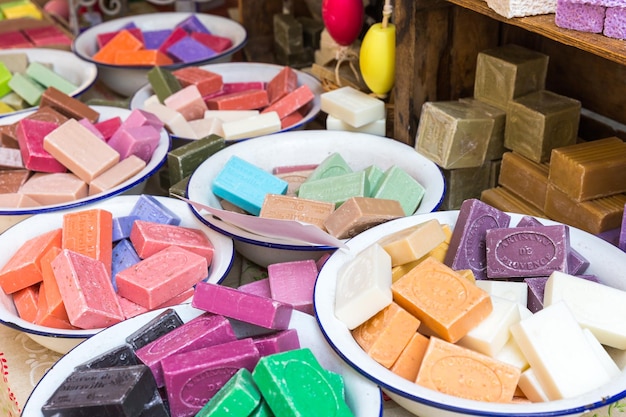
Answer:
(607, 262)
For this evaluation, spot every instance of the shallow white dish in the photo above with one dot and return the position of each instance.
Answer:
(360, 150)
(62, 340)
(127, 79)
(246, 72)
(66, 64)
(363, 397)
(10, 216)
(428, 403)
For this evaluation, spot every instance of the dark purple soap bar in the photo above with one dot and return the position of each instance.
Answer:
(153, 39)
(188, 49)
(467, 243)
(520, 252)
(622, 234)
(163, 323)
(118, 356)
(193, 24)
(536, 288)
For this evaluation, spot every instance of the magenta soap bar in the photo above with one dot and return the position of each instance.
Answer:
(230, 302)
(260, 287)
(200, 332)
(30, 135)
(86, 290)
(277, 342)
(149, 238)
(162, 276)
(140, 141)
(534, 251)
(622, 234)
(467, 243)
(138, 117)
(293, 282)
(193, 378)
(108, 127)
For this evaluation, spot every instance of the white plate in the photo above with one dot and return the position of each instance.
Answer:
(607, 262)
(362, 396)
(246, 72)
(66, 64)
(61, 340)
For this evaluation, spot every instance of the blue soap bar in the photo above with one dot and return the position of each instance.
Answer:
(193, 24)
(189, 50)
(148, 208)
(123, 256)
(246, 185)
(163, 323)
(153, 39)
(122, 225)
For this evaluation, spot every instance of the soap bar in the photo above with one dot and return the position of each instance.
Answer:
(117, 174)
(123, 40)
(261, 124)
(189, 49)
(163, 323)
(281, 84)
(532, 185)
(280, 341)
(614, 22)
(183, 161)
(336, 189)
(413, 243)
(504, 200)
(293, 282)
(463, 184)
(89, 232)
(331, 166)
(68, 106)
(292, 102)
(579, 16)
(377, 127)
(206, 81)
(352, 106)
(241, 100)
(410, 359)
(358, 214)
(163, 82)
(31, 135)
(48, 77)
(122, 355)
(188, 102)
(54, 188)
(150, 209)
(284, 207)
(397, 184)
(239, 393)
(215, 42)
(27, 88)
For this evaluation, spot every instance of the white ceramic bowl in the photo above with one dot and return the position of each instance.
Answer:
(126, 80)
(363, 397)
(607, 262)
(10, 216)
(66, 64)
(360, 150)
(62, 340)
(245, 72)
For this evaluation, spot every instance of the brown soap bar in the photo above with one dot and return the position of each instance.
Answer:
(12, 179)
(496, 148)
(593, 216)
(539, 122)
(525, 178)
(590, 170)
(503, 199)
(358, 214)
(454, 134)
(67, 105)
(284, 207)
(507, 72)
(464, 183)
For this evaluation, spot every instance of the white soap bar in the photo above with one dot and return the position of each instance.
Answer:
(609, 364)
(544, 337)
(521, 8)
(597, 307)
(377, 127)
(363, 286)
(530, 386)
(617, 355)
(230, 115)
(262, 124)
(205, 127)
(511, 354)
(352, 106)
(511, 290)
(491, 334)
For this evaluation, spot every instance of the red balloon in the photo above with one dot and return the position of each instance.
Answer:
(343, 19)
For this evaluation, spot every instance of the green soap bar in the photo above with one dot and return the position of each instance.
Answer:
(336, 189)
(122, 103)
(15, 62)
(294, 384)
(263, 410)
(465, 183)
(27, 88)
(288, 33)
(49, 78)
(184, 160)
(332, 166)
(5, 77)
(14, 101)
(496, 148)
(398, 185)
(374, 176)
(163, 82)
(238, 393)
(180, 188)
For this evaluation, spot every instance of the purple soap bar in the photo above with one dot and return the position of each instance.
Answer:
(153, 39)
(150, 209)
(140, 141)
(615, 22)
(572, 14)
(202, 331)
(278, 342)
(519, 252)
(193, 24)
(536, 288)
(467, 243)
(231, 302)
(122, 225)
(293, 282)
(188, 49)
(123, 256)
(260, 288)
(193, 378)
(622, 234)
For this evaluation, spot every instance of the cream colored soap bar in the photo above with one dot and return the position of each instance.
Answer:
(352, 106)
(262, 124)
(413, 243)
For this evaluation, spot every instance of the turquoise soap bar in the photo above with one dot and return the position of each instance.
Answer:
(246, 185)
(398, 185)
(239, 393)
(332, 166)
(336, 189)
(48, 78)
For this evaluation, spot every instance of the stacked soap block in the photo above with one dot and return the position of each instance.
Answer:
(24, 25)
(352, 110)
(596, 16)
(295, 39)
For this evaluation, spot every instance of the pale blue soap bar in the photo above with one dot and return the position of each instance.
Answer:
(122, 226)
(397, 184)
(246, 185)
(123, 255)
(336, 189)
(150, 209)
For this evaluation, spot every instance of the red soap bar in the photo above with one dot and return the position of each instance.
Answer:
(291, 119)
(206, 81)
(108, 127)
(291, 102)
(282, 84)
(14, 39)
(26, 301)
(215, 42)
(236, 87)
(243, 100)
(30, 134)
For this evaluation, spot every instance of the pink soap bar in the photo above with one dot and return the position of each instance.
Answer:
(243, 100)
(291, 102)
(138, 117)
(293, 282)
(575, 15)
(236, 87)
(615, 22)
(281, 341)
(160, 277)
(291, 119)
(86, 289)
(260, 287)
(132, 309)
(282, 84)
(87, 124)
(30, 135)
(215, 42)
(193, 378)
(108, 127)
(149, 238)
(140, 141)
(54, 187)
(187, 101)
(200, 332)
(230, 302)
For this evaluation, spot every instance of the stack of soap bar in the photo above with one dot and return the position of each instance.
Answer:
(352, 106)
(525, 178)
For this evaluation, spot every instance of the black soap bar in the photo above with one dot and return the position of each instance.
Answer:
(164, 323)
(157, 407)
(118, 356)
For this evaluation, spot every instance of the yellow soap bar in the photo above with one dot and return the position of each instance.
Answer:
(413, 243)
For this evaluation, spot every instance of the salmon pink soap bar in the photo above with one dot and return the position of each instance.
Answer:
(293, 282)
(30, 135)
(116, 175)
(242, 100)
(230, 302)
(187, 101)
(206, 81)
(86, 289)
(291, 102)
(26, 301)
(150, 209)
(54, 188)
(89, 232)
(282, 84)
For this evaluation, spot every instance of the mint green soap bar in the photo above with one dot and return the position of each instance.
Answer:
(5, 77)
(27, 88)
(332, 166)
(294, 384)
(398, 185)
(183, 161)
(48, 78)
(336, 189)
(374, 176)
(238, 393)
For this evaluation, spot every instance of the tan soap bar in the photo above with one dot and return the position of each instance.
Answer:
(595, 169)
(412, 243)
(12, 179)
(276, 206)
(17, 200)
(525, 178)
(504, 200)
(408, 363)
(117, 174)
(54, 188)
(444, 301)
(358, 214)
(593, 216)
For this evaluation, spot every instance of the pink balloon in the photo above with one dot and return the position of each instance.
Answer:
(343, 19)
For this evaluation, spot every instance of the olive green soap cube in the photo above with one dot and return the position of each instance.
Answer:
(507, 72)
(238, 393)
(27, 88)
(539, 122)
(454, 134)
(336, 189)
(183, 161)
(163, 82)
(332, 166)
(496, 148)
(464, 184)
(398, 185)
(180, 188)
(288, 33)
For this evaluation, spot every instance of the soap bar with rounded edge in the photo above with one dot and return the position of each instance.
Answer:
(413, 243)
(239, 393)
(27, 88)
(241, 100)
(48, 77)
(117, 174)
(68, 106)
(331, 166)
(358, 214)
(31, 136)
(293, 282)
(261, 124)
(189, 49)
(284, 207)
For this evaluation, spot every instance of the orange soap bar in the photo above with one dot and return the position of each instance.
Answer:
(23, 268)
(54, 306)
(44, 316)
(122, 41)
(458, 371)
(408, 363)
(90, 233)
(384, 336)
(442, 299)
(142, 57)
(26, 301)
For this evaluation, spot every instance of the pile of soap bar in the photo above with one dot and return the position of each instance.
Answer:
(484, 294)
(125, 265)
(352, 110)
(596, 16)
(64, 151)
(194, 103)
(330, 195)
(188, 41)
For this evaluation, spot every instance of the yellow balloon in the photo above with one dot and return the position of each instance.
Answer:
(377, 58)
